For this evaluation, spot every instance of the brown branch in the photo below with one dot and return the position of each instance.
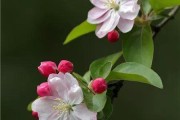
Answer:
(115, 87)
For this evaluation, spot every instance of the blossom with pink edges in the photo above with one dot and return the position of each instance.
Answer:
(66, 101)
(108, 14)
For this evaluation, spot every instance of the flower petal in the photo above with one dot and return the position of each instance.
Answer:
(58, 86)
(75, 94)
(81, 111)
(99, 33)
(129, 9)
(100, 3)
(108, 25)
(95, 13)
(44, 108)
(66, 87)
(125, 25)
(101, 19)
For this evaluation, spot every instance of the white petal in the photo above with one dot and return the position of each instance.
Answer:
(129, 9)
(66, 87)
(108, 25)
(81, 111)
(100, 19)
(95, 13)
(125, 1)
(125, 25)
(100, 3)
(75, 94)
(100, 34)
(72, 116)
(70, 80)
(44, 108)
(58, 86)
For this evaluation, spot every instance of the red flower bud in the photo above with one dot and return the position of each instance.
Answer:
(43, 89)
(113, 36)
(47, 67)
(99, 85)
(35, 115)
(65, 66)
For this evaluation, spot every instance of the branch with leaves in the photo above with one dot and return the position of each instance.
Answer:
(115, 87)
(66, 93)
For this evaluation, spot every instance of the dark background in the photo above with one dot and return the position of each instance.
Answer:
(34, 30)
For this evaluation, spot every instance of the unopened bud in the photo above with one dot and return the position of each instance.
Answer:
(99, 85)
(113, 36)
(43, 89)
(46, 68)
(35, 115)
(65, 66)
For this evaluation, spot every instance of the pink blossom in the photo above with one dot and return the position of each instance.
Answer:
(108, 14)
(65, 102)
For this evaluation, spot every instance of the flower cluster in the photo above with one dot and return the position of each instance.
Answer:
(61, 97)
(108, 14)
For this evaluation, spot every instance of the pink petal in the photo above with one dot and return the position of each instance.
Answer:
(66, 87)
(58, 86)
(44, 108)
(99, 33)
(100, 3)
(125, 25)
(108, 25)
(129, 9)
(100, 19)
(75, 94)
(82, 113)
(95, 13)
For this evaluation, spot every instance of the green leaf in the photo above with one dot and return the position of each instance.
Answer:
(87, 77)
(160, 4)
(100, 115)
(29, 107)
(80, 30)
(138, 46)
(102, 67)
(132, 71)
(95, 102)
(108, 109)
(146, 6)
(81, 80)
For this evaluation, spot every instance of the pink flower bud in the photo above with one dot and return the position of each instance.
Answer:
(113, 36)
(99, 85)
(65, 66)
(43, 89)
(47, 67)
(35, 115)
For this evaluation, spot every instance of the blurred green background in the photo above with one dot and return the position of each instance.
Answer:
(33, 31)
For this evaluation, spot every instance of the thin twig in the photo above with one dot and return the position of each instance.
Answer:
(159, 26)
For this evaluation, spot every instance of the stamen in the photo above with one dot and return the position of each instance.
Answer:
(61, 107)
(112, 4)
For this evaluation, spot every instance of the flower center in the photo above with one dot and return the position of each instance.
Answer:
(113, 5)
(61, 106)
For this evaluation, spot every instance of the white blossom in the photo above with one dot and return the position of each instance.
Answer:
(65, 102)
(108, 14)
